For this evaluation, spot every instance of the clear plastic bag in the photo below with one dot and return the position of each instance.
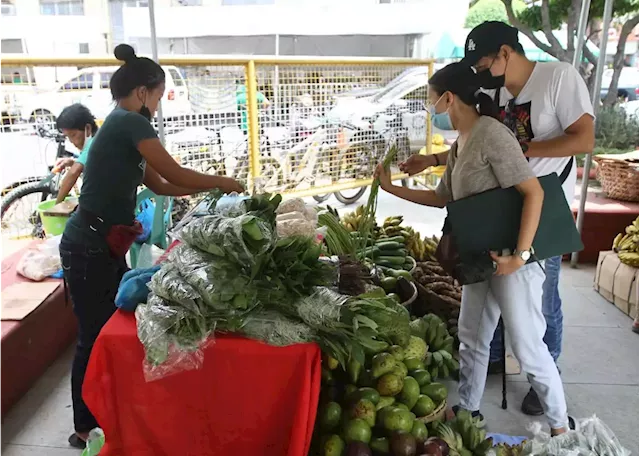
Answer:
(41, 261)
(168, 284)
(592, 438)
(220, 283)
(173, 338)
(291, 205)
(243, 238)
(275, 329)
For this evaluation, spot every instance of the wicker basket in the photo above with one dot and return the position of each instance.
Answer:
(437, 414)
(619, 178)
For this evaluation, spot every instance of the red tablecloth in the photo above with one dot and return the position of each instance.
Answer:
(248, 399)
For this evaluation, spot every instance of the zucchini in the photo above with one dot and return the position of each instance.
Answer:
(371, 252)
(392, 260)
(385, 264)
(389, 245)
(388, 283)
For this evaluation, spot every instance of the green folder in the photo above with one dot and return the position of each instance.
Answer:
(491, 221)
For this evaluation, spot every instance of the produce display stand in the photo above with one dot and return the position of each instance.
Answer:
(248, 398)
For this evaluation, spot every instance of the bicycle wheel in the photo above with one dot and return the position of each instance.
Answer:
(18, 210)
(322, 198)
(348, 197)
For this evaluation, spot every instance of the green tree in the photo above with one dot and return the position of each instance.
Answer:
(549, 15)
(489, 10)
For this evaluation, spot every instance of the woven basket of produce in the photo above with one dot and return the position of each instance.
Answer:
(619, 178)
(436, 415)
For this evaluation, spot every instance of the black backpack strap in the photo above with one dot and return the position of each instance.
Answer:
(567, 169)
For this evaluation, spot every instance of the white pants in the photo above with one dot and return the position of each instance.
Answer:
(518, 297)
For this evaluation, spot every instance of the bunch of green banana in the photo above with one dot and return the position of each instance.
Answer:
(463, 436)
(352, 220)
(626, 245)
(439, 361)
(509, 450)
(431, 244)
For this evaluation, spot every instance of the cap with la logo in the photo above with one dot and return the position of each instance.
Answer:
(486, 39)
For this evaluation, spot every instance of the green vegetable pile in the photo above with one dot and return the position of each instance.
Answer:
(233, 274)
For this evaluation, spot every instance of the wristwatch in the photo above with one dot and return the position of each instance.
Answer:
(525, 147)
(524, 255)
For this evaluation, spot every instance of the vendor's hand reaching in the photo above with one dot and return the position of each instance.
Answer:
(229, 185)
(384, 176)
(64, 163)
(416, 164)
(507, 264)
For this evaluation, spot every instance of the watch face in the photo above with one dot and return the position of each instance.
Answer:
(525, 255)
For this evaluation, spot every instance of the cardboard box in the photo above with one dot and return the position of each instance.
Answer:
(617, 283)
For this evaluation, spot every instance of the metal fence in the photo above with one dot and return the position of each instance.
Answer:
(294, 125)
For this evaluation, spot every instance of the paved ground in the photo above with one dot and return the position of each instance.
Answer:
(599, 367)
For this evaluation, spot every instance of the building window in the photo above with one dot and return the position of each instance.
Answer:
(82, 82)
(62, 7)
(83, 48)
(8, 8)
(136, 3)
(247, 2)
(105, 79)
(186, 2)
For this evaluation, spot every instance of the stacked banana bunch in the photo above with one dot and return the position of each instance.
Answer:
(509, 450)
(391, 227)
(626, 245)
(352, 220)
(439, 361)
(463, 436)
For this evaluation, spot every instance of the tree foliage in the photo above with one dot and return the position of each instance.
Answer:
(490, 10)
(548, 15)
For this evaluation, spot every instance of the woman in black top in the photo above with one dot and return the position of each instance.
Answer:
(125, 153)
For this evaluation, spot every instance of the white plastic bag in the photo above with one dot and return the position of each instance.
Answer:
(41, 260)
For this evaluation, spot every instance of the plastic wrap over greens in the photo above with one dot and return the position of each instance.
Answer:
(322, 309)
(276, 329)
(172, 337)
(241, 239)
(170, 285)
(591, 438)
(221, 284)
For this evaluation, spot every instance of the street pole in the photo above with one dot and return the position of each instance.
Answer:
(595, 101)
(159, 235)
(582, 28)
(276, 82)
(154, 53)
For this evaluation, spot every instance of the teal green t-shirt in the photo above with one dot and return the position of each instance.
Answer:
(241, 100)
(82, 158)
(113, 172)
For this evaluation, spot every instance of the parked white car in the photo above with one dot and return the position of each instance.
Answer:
(401, 103)
(90, 86)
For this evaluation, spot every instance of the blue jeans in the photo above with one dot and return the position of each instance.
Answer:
(551, 309)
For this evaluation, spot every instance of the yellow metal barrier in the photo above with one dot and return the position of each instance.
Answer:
(304, 126)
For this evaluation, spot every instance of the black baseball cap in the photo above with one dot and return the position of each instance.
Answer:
(486, 39)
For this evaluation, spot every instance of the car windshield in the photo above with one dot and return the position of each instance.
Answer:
(394, 92)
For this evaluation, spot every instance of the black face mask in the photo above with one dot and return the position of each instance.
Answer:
(489, 81)
(144, 112)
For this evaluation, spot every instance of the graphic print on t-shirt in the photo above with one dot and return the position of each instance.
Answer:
(518, 119)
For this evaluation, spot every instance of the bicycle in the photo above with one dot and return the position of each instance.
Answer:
(34, 192)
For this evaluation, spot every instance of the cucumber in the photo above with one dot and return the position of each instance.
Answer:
(385, 264)
(399, 239)
(389, 245)
(395, 253)
(393, 260)
(371, 252)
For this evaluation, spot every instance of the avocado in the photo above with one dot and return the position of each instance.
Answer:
(402, 444)
(389, 385)
(379, 446)
(381, 364)
(424, 405)
(413, 363)
(419, 431)
(364, 409)
(398, 420)
(422, 376)
(333, 445)
(410, 392)
(436, 391)
(357, 430)
(330, 416)
(358, 449)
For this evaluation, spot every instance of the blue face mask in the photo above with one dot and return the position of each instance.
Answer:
(440, 120)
